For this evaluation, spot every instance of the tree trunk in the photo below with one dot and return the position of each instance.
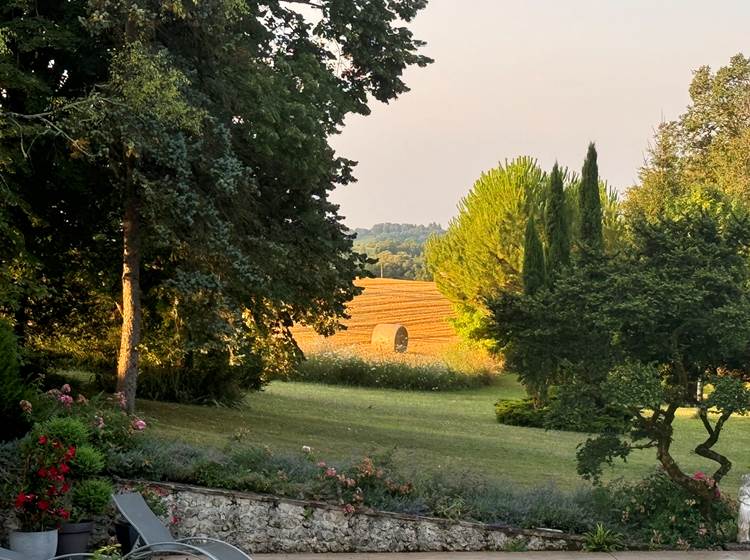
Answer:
(127, 362)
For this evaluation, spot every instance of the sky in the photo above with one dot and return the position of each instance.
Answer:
(530, 77)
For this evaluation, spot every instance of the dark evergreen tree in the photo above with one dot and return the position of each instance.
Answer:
(590, 205)
(557, 224)
(11, 387)
(533, 274)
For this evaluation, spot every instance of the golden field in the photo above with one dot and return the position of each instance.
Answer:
(417, 305)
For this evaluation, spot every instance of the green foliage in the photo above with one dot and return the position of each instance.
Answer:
(88, 462)
(481, 254)
(557, 224)
(563, 411)
(91, 498)
(637, 331)
(398, 249)
(601, 539)
(661, 514)
(194, 385)
(708, 144)
(520, 413)
(15, 423)
(66, 429)
(533, 272)
(590, 233)
(377, 484)
(211, 122)
(337, 368)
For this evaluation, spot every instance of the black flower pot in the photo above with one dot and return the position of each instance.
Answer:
(73, 538)
(126, 535)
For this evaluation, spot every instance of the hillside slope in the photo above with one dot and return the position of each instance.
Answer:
(417, 305)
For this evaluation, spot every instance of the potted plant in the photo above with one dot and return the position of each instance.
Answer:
(89, 500)
(39, 502)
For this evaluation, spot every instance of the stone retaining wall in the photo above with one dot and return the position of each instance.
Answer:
(260, 523)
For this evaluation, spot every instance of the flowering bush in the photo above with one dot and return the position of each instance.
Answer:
(39, 503)
(354, 486)
(111, 427)
(662, 514)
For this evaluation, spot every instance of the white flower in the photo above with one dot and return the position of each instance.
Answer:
(306, 449)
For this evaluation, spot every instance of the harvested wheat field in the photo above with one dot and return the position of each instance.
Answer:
(416, 305)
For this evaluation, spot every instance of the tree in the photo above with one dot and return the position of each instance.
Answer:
(481, 254)
(204, 128)
(557, 224)
(708, 144)
(533, 273)
(590, 233)
(641, 329)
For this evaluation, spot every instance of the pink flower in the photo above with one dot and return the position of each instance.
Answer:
(322, 464)
(349, 509)
(66, 388)
(138, 424)
(66, 400)
(330, 472)
(120, 398)
(699, 476)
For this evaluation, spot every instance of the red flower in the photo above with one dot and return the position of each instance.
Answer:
(65, 488)
(64, 469)
(21, 499)
(43, 505)
(42, 440)
(52, 472)
(42, 472)
(64, 513)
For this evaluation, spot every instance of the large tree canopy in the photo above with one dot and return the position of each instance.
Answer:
(643, 329)
(198, 134)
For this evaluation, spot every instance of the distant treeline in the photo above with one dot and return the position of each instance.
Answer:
(398, 248)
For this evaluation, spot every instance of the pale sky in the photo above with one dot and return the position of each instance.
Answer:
(530, 77)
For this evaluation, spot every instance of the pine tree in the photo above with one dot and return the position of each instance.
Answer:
(590, 234)
(534, 275)
(557, 224)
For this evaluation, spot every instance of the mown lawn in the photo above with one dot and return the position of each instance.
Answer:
(446, 431)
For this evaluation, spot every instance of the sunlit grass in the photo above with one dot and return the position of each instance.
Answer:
(454, 431)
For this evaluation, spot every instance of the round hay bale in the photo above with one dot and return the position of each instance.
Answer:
(390, 337)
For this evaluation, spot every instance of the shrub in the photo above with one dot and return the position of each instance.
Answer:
(557, 415)
(520, 413)
(197, 385)
(68, 430)
(341, 368)
(88, 462)
(12, 389)
(660, 513)
(90, 498)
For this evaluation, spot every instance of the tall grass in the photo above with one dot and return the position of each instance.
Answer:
(405, 371)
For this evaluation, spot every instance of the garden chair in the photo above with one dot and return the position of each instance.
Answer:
(154, 537)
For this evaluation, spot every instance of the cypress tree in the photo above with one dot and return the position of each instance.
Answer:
(533, 274)
(590, 234)
(556, 223)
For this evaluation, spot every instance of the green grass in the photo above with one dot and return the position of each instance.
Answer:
(446, 431)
